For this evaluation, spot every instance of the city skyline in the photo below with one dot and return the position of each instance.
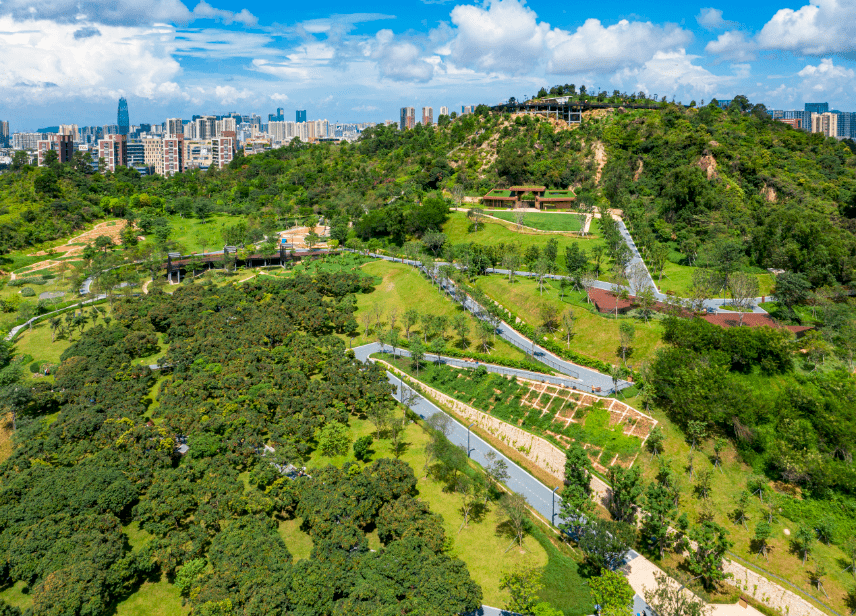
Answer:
(72, 61)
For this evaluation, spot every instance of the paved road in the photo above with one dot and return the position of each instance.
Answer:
(589, 379)
(564, 381)
(540, 497)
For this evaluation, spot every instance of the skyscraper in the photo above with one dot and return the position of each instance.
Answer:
(408, 118)
(816, 108)
(444, 111)
(4, 134)
(427, 116)
(123, 121)
(174, 126)
(301, 115)
(826, 123)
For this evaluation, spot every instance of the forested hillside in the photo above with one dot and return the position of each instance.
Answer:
(707, 185)
(96, 498)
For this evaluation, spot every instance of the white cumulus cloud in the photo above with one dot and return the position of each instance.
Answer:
(732, 46)
(673, 72)
(42, 60)
(594, 47)
(821, 27)
(711, 19)
(399, 60)
(503, 36)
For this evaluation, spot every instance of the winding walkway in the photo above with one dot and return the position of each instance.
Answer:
(640, 570)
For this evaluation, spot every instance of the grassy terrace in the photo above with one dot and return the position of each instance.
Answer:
(457, 230)
(498, 193)
(401, 287)
(595, 335)
(518, 404)
(544, 221)
(792, 510)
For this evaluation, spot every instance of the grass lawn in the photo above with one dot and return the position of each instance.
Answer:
(546, 221)
(193, 236)
(137, 537)
(481, 545)
(492, 233)
(159, 597)
(37, 341)
(16, 597)
(298, 542)
(402, 287)
(679, 278)
(726, 487)
(595, 335)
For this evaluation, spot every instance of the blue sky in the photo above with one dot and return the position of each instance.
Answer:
(68, 61)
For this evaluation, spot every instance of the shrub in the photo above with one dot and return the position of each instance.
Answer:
(28, 292)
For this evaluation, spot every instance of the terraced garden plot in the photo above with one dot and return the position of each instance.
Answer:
(611, 431)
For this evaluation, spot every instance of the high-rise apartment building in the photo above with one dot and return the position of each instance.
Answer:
(408, 118)
(153, 154)
(63, 145)
(300, 116)
(279, 116)
(226, 125)
(815, 108)
(847, 125)
(826, 123)
(173, 127)
(113, 150)
(4, 134)
(123, 120)
(136, 153)
(427, 116)
(444, 111)
(221, 151)
(465, 109)
(69, 129)
(205, 128)
(26, 141)
(173, 155)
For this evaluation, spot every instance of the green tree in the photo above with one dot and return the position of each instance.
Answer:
(523, 585)
(188, 574)
(804, 541)
(362, 448)
(655, 441)
(513, 507)
(333, 439)
(577, 501)
(611, 591)
(706, 559)
(660, 509)
(605, 542)
(417, 352)
(763, 532)
(669, 599)
(791, 288)
(626, 488)
(626, 333)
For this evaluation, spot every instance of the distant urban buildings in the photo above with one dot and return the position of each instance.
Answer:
(444, 111)
(819, 118)
(113, 152)
(407, 118)
(4, 134)
(123, 121)
(465, 109)
(279, 116)
(427, 116)
(63, 145)
(816, 108)
(300, 116)
(826, 123)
